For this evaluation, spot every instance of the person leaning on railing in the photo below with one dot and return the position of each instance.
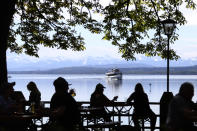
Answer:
(99, 100)
(142, 108)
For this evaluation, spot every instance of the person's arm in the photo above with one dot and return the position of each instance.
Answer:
(131, 97)
(106, 100)
(31, 97)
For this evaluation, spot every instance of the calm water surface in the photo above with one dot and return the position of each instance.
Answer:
(154, 85)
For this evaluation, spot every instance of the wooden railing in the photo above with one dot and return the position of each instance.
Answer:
(123, 112)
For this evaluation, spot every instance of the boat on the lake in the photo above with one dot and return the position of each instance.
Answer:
(114, 73)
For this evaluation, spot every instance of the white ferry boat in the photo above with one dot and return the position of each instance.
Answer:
(114, 73)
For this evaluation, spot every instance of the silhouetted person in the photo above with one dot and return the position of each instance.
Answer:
(35, 95)
(63, 105)
(8, 107)
(142, 109)
(7, 104)
(182, 111)
(99, 100)
(17, 96)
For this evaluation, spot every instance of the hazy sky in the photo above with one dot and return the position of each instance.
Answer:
(186, 46)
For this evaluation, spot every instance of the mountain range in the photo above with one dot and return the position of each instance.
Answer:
(27, 64)
(190, 70)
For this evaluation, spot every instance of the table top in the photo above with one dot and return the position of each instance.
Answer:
(88, 109)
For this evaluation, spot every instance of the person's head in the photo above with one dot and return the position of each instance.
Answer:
(11, 85)
(31, 86)
(61, 84)
(187, 90)
(139, 88)
(8, 88)
(99, 88)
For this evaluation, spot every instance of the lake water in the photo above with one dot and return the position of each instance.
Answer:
(154, 85)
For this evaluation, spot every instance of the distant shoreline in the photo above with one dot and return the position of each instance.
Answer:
(133, 71)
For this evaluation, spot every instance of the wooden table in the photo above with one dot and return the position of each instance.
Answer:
(18, 121)
(25, 119)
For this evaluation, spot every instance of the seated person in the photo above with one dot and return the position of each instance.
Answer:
(19, 98)
(8, 107)
(63, 106)
(141, 107)
(98, 99)
(182, 110)
(7, 104)
(35, 95)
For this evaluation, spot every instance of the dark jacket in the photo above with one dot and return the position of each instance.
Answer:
(71, 115)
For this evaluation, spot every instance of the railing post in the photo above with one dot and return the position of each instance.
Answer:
(164, 102)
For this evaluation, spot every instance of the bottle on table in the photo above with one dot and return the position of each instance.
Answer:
(33, 107)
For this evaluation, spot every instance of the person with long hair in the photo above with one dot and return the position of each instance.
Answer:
(35, 95)
(142, 109)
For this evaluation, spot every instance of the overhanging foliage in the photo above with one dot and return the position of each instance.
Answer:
(132, 25)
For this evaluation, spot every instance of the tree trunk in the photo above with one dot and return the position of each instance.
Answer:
(7, 11)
